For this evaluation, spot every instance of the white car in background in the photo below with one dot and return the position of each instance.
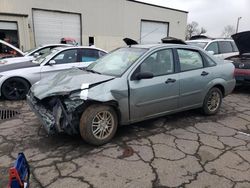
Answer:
(32, 54)
(17, 78)
(221, 48)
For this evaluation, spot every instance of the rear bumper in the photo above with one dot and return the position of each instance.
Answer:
(242, 76)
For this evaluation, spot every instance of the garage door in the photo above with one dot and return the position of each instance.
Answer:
(153, 32)
(51, 26)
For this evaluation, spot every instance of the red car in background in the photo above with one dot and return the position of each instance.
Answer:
(242, 61)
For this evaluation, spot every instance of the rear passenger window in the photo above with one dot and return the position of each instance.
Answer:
(88, 55)
(235, 49)
(189, 60)
(213, 47)
(225, 47)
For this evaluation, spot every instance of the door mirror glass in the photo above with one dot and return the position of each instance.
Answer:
(52, 62)
(144, 75)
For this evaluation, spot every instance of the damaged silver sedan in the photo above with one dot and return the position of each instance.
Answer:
(131, 84)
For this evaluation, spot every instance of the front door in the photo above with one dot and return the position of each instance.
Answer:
(158, 95)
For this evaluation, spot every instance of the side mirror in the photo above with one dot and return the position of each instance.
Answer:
(52, 62)
(36, 55)
(144, 75)
(211, 52)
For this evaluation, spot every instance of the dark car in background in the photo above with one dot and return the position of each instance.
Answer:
(17, 78)
(242, 61)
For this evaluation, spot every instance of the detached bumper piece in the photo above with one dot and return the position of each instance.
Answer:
(19, 175)
(55, 119)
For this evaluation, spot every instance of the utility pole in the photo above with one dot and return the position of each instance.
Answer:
(238, 22)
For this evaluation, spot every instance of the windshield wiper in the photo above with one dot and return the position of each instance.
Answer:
(93, 71)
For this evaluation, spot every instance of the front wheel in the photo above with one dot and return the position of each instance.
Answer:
(98, 124)
(15, 89)
(212, 101)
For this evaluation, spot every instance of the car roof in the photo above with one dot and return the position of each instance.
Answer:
(60, 48)
(208, 40)
(159, 45)
(48, 45)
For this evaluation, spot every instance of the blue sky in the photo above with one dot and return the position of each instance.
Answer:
(213, 15)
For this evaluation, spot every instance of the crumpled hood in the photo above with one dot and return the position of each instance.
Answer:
(242, 41)
(65, 82)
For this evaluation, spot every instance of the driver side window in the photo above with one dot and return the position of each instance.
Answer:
(159, 63)
(68, 56)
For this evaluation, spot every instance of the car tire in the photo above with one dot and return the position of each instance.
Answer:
(98, 124)
(212, 101)
(15, 89)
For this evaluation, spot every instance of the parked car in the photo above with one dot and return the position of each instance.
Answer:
(16, 78)
(129, 85)
(242, 61)
(32, 53)
(221, 48)
(7, 50)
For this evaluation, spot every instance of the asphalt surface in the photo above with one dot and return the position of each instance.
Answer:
(182, 150)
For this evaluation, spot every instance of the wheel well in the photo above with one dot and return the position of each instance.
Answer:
(113, 104)
(220, 87)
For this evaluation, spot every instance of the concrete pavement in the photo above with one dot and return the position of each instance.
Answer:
(182, 150)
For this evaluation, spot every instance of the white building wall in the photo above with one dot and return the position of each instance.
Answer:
(109, 21)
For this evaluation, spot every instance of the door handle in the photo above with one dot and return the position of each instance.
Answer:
(170, 80)
(204, 73)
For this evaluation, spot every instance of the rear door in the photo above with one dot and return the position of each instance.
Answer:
(158, 95)
(194, 78)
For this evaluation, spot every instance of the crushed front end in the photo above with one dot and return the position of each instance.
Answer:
(57, 113)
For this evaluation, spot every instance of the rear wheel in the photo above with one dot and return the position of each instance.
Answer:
(15, 89)
(98, 124)
(212, 101)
